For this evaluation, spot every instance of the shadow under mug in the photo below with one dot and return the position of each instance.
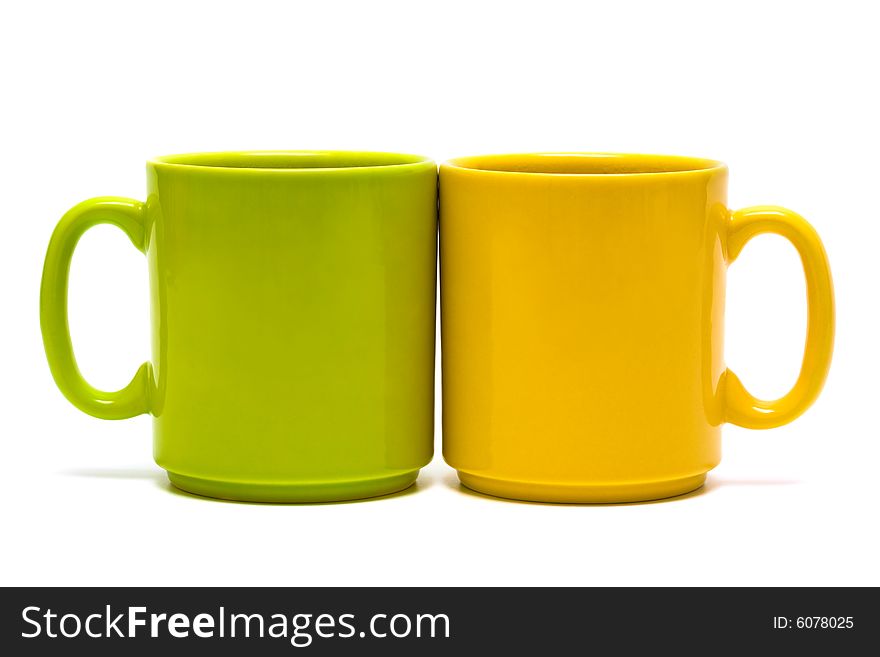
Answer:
(293, 320)
(582, 309)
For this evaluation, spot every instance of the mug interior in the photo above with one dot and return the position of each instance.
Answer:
(291, 160)
(584, 163)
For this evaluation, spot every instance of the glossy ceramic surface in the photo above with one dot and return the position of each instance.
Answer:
(582, 314)
(293, 318)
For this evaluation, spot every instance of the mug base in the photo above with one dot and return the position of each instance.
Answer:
(294, 493)
(581, 494)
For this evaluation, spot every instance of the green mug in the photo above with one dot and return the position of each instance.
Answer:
(292, 298)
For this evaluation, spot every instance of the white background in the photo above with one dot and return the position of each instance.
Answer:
(784, 92)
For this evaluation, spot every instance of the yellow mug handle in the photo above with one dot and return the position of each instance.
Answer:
(741, 407)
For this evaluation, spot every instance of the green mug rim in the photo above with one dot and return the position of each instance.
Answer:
(293, 162)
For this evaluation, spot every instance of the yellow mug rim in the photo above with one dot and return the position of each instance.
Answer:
(583, 164)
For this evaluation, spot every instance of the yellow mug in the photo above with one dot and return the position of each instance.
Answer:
(582, 299)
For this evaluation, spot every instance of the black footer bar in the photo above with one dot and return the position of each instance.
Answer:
(435, 621)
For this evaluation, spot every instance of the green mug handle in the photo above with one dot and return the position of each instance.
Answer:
(133, 399)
